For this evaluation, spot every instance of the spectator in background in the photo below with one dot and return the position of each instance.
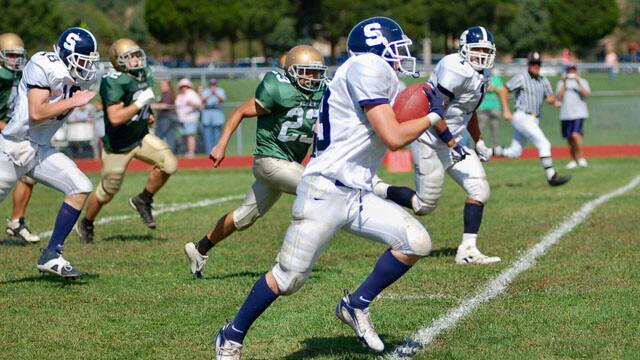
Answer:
(188, 107)
(489, 109)
(633, 51)
(572, 91)
(212, 115)
(166, 114)
(611, 59)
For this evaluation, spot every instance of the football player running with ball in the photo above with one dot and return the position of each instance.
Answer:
(52, 85)
(356, 127)
(462, 78)
(12, 59)
(127, 92)
(286, 104)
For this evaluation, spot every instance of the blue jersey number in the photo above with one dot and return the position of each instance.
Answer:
(322, 137)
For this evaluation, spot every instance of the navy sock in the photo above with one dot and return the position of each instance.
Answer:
(401, 195)
(259, 299)
(472, 218)
(65, 220)
(388, 269)
(204, 245)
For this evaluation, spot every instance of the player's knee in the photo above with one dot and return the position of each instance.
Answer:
(245, 216)
(169, 162)
(421, 207)
(108, 187)
(418, 239)
(288, 281)
(81, 187)
(479, 190)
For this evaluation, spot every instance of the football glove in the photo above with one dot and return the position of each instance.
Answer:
(145, 98)
(436, 102)
(484, 153)
(458, 153)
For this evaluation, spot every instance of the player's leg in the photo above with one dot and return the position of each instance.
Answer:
(566, 128)
(114, 167)
(532, 130)
(318, 212)
(16, 224)
(156, 152)
(56, 170)
(9, 175)
(518, 138)
(470, 176)
(576, 136)
(386, 222)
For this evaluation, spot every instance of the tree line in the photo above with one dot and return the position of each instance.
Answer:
(185, 28)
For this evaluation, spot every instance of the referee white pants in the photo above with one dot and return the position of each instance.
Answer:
(526, 127)
(322, 208)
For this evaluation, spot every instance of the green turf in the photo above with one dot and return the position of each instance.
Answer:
(138, 301)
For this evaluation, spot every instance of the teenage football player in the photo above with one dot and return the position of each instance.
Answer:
(462, 79)
(286, 103)
(12, 59)
(126, 94)
(356, 127)
(52, 85)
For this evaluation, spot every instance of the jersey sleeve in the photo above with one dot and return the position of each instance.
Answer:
(368, 83)
(450, 81)
(515, 83)
(585, 84)
(111, 91)
(34, 76)
(264, 92)
(546, 86)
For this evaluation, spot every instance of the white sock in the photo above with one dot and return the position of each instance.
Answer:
(469, 240)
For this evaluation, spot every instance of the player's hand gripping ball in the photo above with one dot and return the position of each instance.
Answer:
(412, 103)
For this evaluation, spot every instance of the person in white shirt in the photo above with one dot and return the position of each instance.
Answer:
(188, 107)
(572, 91)
(355, 128)
(52, 85)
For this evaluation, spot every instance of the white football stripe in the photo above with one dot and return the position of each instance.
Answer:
(423, 337)
(168, 209)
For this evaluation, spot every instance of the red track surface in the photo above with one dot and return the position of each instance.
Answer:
(602, 151)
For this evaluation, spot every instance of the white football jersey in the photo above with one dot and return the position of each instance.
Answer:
(346, 148)
(45, 70)
(465, 87)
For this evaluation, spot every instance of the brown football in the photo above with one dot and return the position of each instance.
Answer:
(412, 103)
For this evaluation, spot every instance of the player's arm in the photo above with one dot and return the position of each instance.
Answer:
(2, 125)
(474, 128)
(40, 109)
(119, 113)
(248, 109)
(503, 96)
(396, 135)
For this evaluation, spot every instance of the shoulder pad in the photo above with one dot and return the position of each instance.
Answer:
(112, 74)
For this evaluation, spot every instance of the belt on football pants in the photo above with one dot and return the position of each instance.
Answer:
(532, 114)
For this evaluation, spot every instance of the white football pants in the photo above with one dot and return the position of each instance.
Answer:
(526, 127)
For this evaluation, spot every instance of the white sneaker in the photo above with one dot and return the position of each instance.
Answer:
(360, 322)
(471, 255)
(19, 228)
(53, 262)
(571, 165)
(582, 162)
(226, 349)
(198, 261)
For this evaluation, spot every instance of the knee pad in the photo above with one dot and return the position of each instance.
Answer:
(478, 189)
(245, 216)
(109, 185)
(418, 239)
(429, 188)
(288, 281)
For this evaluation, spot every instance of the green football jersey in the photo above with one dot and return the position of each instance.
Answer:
(122, 87)
(8, 90)
(286, 131)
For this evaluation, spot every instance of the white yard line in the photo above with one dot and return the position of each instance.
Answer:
(423, 337)
(165, 209)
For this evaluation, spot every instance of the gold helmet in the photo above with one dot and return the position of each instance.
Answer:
(122, 51)
(305, 66)
(12, 53)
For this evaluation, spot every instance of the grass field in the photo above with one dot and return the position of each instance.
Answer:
(137, 299)
(613, 120)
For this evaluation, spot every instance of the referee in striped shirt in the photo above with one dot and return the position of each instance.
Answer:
(530, 89)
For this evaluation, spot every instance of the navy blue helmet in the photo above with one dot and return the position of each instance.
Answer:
(477, 47)
(78, 49)
(385, 38)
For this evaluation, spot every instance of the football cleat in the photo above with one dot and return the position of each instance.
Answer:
(20, 229)
(360, 322)
(226, 349)
(497, 151)
(53, 262)
(557, 180)
(198, 261)
(85, 231)
(571, 165)
(471, 255)
(582, 162)
(144, 209)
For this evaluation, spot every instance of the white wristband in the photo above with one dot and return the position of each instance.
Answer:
(433, 118)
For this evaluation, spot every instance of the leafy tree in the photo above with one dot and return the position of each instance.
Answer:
(283, 37)
(19, 17)
(530, 29)
(259, 18)
(580, 24)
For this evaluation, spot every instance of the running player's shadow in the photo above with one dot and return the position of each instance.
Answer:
(13, 242)
(443, 252)
(133, 237)
(336, 346)
(54, 279)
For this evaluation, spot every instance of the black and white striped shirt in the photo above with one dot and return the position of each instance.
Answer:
(529, 92)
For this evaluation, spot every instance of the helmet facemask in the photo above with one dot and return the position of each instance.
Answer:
(125, 58)
(398, 54)
(309, 77)
(81, 66)
(15, 62)
(479, 60)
